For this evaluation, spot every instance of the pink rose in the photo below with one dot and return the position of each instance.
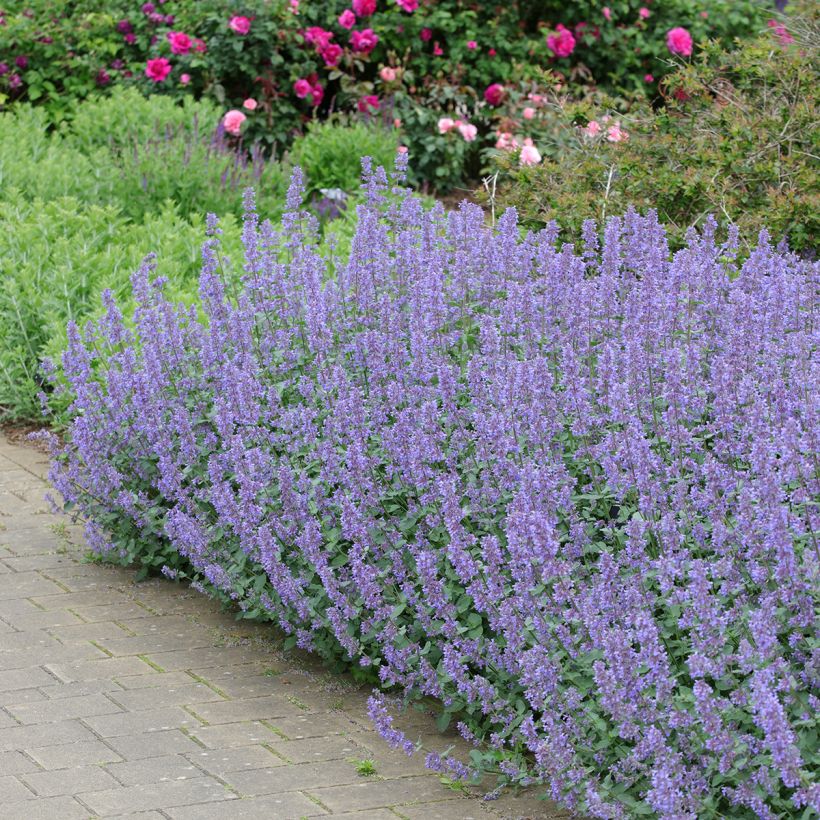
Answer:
(332, 54)
(233, 122)
(472, 44)
(200, 45)
(241, 25)
(528, 113)
(469, 132)
(130, 38)
(780, 32)
(506, 141)
(364, 8)
(402, 149)
(363, 42)
(438, 51)
(250, 104)
(607, 12)
(302, 88)
(561, 44)
(529, 154)
(615, 134)
(679, 41)
(593, 128)
(184, 79)
(643, 12)
(157, 69)
(294, 6)
(388, 74)
(347, 19)
(180, 42)
(396, 123)
(445, 124)
(408, 5)
(426, 34)
(494, 94)
(370, 102)
(648, 78)
(317, 36)
(316, 94)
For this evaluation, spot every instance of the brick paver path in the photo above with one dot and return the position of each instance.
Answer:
(144, 700)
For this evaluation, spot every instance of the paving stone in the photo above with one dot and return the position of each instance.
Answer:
(229, 735)
(116, 802)
(448, 810)
(11, 790)
(152, 644)
(120, 610)
(152, 744)
(20, 696)
(48, 656)
(280, 807)
(156, 680)
(372, 794)
(154, 770)
(48, 560)
(58, 691)
(84, 706)
(233, 711)
(135, 723)
(103, 667)
(72, 781)
(46, 808)
(73, 600)
(202, 658)
(29, 585)
(195, 694)
(26, 617)
(16, 763)
(293, 777)
(315, 725)
(16, 641)
(29, 737)
(221, 762)
(308, 750)
(24, 678)
(82, 633)
(82, 753)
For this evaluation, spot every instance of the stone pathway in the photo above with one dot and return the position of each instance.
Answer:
(144, 700)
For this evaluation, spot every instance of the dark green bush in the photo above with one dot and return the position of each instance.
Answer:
(738, 138)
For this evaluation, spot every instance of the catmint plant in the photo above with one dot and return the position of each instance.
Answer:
(569, 492)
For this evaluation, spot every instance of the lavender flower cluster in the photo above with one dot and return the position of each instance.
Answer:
(569, 493)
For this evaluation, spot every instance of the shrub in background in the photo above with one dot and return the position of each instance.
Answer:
(738, 138)
(568, 494)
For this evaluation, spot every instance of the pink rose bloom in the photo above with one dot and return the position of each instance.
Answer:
(233, 122)
(363, 42)
(397, 123)
(364, 8)
(593, 128)
(491, 52)
(370, 102)
(561, 44)
(679, 41)
(445, 124)
(607, 12)
(469, 132)
(408, 5)
(494, 94)
(648, 78)
(250, 104)
(157, 69)
(185, 79)
(241, 25)
(438, 51)
(472, 44)
(615, 134)
(780, 32)
(347, 19)
(317, 93)
(332, 54)
(536, 98)
(529, 154)
(130, 38)
(302, 88)
(388, 74)
(506, 141)
(317, 36)
(643, 12)
(426, 34)
(294, 6)
(528, 113)
(180, 42)
(200, 45)
(402, 149)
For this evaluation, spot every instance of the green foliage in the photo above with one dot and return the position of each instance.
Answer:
(737, 139)
(330, 152)
(55, 258)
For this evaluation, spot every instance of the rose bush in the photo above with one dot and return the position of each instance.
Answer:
(300, 60)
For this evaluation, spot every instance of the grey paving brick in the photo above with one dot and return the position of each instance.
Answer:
(101, 667)
(28, 585)
(235, 759)
(372, 794)
(203, 658)
(82, 633)
(154, 770)
(12, 790)
(72, 781)
(49, 711)
(48, 656)
(116, 802)
(135, 723)
(322, 724)
(229, 735)
(314, 749)
(66, 755)
(24, 678)
(156, 680)
(17, 641)
(192, 693)
(46, 808)
(16, 763)
(29, 737)
(280, 807)
(448, 810)
(293, 777)
(75, 689)
(152, 744)
(233, 711)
